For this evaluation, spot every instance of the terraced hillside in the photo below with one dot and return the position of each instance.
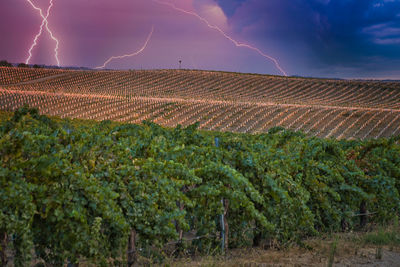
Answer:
(219, 101)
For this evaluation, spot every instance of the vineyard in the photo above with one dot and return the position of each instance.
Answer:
(110, 193)
(242, 103)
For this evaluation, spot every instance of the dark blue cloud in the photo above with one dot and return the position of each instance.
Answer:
(359, 30)
(230, 6)
(357, 36)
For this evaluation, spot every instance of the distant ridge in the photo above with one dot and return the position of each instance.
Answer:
(290, 76)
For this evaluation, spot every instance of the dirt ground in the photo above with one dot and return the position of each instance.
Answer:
(296, 258)
(347, 253)
(349, 249)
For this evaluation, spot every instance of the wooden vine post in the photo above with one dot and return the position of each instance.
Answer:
(3, 248)
(223, 218)
(131, 254)
(179, 244)
(363, 214)
(225, 223)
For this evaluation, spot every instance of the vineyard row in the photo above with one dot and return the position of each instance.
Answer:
(321, 121)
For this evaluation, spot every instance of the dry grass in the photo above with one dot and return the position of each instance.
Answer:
(375, 248)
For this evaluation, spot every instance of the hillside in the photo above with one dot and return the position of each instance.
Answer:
(218, 100)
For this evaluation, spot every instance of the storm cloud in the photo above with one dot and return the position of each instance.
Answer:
(344, 38)
(320, 38)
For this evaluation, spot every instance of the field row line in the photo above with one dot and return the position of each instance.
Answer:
(208, 101)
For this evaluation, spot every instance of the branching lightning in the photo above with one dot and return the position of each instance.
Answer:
(214, 27)
(46, 24)
(129, 55)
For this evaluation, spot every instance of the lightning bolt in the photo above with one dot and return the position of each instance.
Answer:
(45, 23)
(129, 55)
(214, 27)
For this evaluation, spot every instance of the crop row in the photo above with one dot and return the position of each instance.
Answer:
(222, 86)
(321, 121)
(114, 194)
(10, 76)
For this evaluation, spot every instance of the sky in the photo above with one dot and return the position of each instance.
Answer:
(313, 38)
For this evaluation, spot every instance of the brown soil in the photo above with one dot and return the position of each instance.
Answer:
(297, 257)
(348, 253)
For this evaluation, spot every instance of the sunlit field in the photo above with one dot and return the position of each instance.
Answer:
(219, 101)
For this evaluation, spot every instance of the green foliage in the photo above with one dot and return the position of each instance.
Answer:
(5, 63)
(332, 253)
(22, 65)
(75, 190)
(382, 238)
